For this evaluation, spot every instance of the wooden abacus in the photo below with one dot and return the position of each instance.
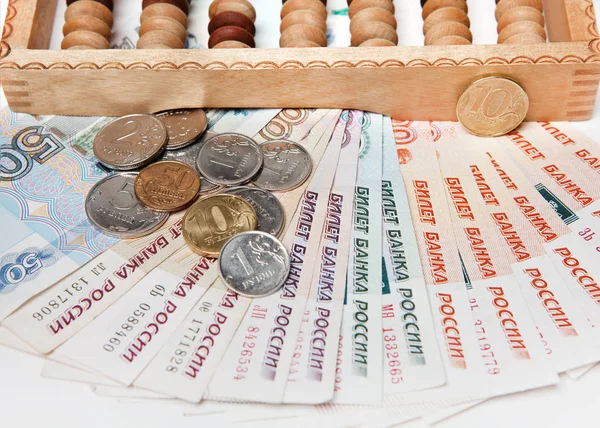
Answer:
(561, 76)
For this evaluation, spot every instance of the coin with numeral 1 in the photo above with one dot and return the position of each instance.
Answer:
(112, 207)
(167, 186)
(254, 264)
(184, 126)
(213, 219)
(229, 159)
(269, 210)
(188, 156)
(130, 142)
(286, 165)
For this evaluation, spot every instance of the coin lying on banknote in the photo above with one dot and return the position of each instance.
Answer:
(213, 219)
(269, 210)
(130, 142)
(286, 166)
(254, 264)
(229, 159)
(184, 126)
(188, 155)
(167, 186)
(112, 207)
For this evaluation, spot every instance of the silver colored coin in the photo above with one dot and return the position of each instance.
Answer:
(229, 159)
(286, 165)
(269, 210)
(254, 264)
(184, 126)
(188, 155)
(112, 207)
(131, 141)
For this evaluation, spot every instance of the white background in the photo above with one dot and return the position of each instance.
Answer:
(27, 400)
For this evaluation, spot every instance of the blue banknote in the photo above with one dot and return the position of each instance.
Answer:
(44, 181)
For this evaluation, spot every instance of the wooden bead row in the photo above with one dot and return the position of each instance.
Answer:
(88, 24)
(520, 21)
(372, 23)
(303, 24)
(231, 24)
(446, 22)
(163, 24)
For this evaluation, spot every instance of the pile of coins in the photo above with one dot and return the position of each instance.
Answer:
(88, 24)
(163, 24)
(303, 24)
(372, 23)
(231, 24)
(168, 162)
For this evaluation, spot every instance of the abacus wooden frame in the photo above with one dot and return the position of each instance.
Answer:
(416, 83)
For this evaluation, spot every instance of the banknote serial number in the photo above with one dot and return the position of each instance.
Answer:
(126, 327)
(246, 353)
(184, 347)
(61, 299)
(485, 346)
(392, 356)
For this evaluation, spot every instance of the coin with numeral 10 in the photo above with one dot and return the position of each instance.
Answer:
(254, 264)
(213, 219)
(492, 106)
(112, 207)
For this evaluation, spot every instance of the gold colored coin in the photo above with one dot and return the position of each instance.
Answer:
(492, 106)
(212, 220)
(167, 186)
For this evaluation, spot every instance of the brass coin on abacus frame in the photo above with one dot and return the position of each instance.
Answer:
(492, 106)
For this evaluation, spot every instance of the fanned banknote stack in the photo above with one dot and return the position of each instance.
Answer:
(430, 269)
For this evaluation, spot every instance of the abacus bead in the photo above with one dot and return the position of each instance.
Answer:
(164, 23)
(165, 9)
(87, 23)
(241, 6)
(521, 27)
(447, 29)
(302, 44)
(524, 39)
(373, 30)
(87, 38)
(446, 14)
(79, 47)
(89, 8)
(358, 5)
(181, 4)
(525, 13)
(230, 33)
(452, 40)
(506, 5)
(373, 43)
(307, 17)
(433, 5)
(231, 44)
(313, 5)
(372, 14)
(160, 37)
(302, 32)
(228, 18)
(107, 3)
